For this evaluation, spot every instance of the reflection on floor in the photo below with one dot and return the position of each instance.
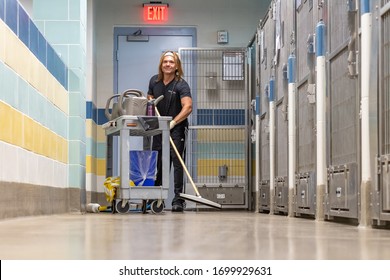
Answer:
(230, 235)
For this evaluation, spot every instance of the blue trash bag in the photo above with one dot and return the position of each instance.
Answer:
(143, 167)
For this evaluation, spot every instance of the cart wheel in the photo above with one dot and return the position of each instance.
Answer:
(157, 206)
(122, 208)
(143, 208)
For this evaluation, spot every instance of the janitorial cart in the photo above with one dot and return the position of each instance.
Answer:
(136, 167)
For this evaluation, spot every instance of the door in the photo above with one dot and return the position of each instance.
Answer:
(137, 54)
(138, 60)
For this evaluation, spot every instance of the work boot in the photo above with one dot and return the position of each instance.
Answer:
(177, 208)
(177, 205)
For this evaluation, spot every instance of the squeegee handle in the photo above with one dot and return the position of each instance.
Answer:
(184, 166)
(181, 161)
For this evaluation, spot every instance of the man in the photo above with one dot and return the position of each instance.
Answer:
(177, 103)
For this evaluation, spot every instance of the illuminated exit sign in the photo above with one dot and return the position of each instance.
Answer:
(155, 12)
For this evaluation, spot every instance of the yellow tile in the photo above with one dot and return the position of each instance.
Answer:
(57, 148)
(101, 134)
(90, 164)
(38, 147)
(33, 77)
(52, 144)
(50, 91)
(214, 135)
(28, 130)
(209, 167)
(5, 122)
(17, 128)
(23, 59)
(11, 49)
(62, 149)
(42, 79)
(65, 153)
(2, 41)
(45, 142)
(101, 167)
(92, 130)
(61, 98)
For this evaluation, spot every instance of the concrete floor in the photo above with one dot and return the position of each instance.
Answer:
(212, 235)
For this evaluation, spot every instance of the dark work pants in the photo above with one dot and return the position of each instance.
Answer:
(178, 136)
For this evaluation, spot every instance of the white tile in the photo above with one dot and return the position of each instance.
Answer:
(23, 166)
(10, 163)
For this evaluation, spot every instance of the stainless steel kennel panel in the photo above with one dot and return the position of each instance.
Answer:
(284, 46)
(306, 153)
(381, 213)
(306, 14)
(343, 111)
(264, 190)
(281, 154)
(266, 45)
(218, 136)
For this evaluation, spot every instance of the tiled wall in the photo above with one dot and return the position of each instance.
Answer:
(96, 149)
(63, 23)
(42, 109)
(33, 103)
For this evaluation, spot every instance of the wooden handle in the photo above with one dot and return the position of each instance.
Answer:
(181, 160)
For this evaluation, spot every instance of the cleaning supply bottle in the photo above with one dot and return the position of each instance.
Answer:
(93, 207)
(150, 110)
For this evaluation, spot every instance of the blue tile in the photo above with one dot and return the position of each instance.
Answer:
(42, 45)
(23, 26)
(91, 111)
(62, 73)
(55, 65)
(101, 117)
(221, 117)
(66, 78)
(205, 117)
(34, 39)
(2, 10)
(95, 114)
(11, 15)
(50, 58)
(90, 106)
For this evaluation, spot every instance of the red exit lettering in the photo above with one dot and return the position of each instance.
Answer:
(155, 13)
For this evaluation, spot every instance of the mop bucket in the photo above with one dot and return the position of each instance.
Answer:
(143, 167)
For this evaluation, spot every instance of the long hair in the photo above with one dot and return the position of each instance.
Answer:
(179, 70)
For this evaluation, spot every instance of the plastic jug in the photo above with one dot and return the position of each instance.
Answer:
(115, 108)
(133, 103)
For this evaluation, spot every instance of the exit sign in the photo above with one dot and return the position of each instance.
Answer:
(155, 12)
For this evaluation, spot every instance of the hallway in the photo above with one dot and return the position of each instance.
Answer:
(211, 235)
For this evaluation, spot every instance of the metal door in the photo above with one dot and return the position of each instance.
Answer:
(306, 154)
(343, 107)
(137, 52)
(304, 199)
(281, 155)
(266, 45)
(138, 59)
(264, 195)
(382, 198)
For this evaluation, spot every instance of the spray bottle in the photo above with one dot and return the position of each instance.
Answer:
(150, 108)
